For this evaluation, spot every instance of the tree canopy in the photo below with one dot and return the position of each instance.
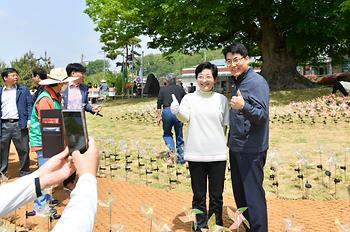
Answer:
(284, 32)
(97, 66)
(25, 64)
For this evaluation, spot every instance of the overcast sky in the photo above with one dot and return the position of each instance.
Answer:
(58, 27)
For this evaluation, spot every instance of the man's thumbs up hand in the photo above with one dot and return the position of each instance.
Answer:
(174, 107)
(237, 102)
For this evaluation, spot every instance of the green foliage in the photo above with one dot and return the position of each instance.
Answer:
(2, 66)
(180, 26)
(345, 6)
(96, 78)
(96, 66)
(25, 65)
(284, 32)
(160, 65)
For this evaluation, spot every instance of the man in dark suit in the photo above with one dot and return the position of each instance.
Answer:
(75, 96)
(249, 136)
(16, 108)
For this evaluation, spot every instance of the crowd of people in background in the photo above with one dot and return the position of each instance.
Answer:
(219, 131)
(20, 123)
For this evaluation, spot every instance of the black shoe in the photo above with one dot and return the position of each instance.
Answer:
(54, 202)
(30, 213)
(56, 216)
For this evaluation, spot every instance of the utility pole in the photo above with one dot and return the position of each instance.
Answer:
(104, 64)
(82, 59)
(141, 74)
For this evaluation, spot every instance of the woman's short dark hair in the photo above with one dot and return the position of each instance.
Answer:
(75, 67)
(207, 65)
(236, 48)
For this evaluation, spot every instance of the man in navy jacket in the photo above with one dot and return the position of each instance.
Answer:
(16, 109)
(78, 70)
(249, 135)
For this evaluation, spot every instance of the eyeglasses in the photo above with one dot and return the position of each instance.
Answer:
(234, 61)
(202, 77)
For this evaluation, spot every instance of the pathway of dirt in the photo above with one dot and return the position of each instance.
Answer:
(168, 206)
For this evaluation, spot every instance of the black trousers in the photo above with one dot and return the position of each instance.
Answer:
(200, 173)
(247, 175)
(12, 131)
(338, 86)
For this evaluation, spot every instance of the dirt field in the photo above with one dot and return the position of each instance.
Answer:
(168, 206)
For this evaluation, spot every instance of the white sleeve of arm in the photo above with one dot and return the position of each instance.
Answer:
(184, 111)
(79, 214)
(17, 193)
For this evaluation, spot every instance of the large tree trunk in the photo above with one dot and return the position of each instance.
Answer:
(279, 63)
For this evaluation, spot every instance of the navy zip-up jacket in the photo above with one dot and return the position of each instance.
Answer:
(24, 105)
(85, 100)
(249, 127)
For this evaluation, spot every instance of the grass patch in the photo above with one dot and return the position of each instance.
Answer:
(299, 125)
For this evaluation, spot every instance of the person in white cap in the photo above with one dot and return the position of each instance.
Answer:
(50, 98)
(104, 86)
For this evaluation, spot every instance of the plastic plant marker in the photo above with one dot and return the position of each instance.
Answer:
(237, 218)
(291, 226)
(342, 227)
(190, 216)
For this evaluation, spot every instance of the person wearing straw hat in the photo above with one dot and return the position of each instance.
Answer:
(50, 98)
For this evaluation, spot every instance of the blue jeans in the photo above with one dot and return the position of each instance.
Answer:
(44, 198)
(169, 121)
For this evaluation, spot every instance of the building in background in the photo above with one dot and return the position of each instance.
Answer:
(224, 82)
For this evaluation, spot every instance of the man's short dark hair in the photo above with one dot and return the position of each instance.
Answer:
(75, 67)
(40, 72)
(207, 65)
(236, 48)
(7, 71)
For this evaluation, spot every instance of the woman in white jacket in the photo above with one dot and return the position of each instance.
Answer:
(207, 115)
